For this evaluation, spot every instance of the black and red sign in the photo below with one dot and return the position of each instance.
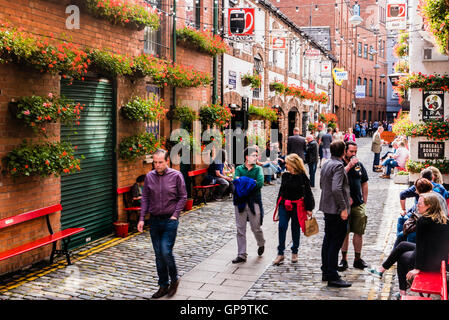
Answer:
(241, 21)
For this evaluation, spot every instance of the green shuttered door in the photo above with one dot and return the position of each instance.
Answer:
(88, 197)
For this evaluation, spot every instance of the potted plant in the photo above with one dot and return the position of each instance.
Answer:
(139, 109)
(185, 115)
(215, 114)
(278, 87)
(203, 41)
(136, 146)
(255, 81)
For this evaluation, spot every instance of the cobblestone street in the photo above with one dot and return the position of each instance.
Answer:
(116, 268)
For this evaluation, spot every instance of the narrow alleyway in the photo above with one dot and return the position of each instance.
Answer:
(115, 268)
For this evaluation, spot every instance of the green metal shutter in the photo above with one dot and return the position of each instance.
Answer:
(88, 197)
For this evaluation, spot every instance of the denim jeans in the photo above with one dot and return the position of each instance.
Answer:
(404, 254)
(312, 171)
(284, 217)
(390, 164)
(163, 236)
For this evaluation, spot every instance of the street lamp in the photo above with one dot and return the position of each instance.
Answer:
(376, 66)
(355, 20)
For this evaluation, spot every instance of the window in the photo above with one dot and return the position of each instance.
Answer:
(193, 13)
(359, 81)
(365, 51)
(258, 69)
(358, 115)
(384, 92)
(370, 87)
(359, 49)
(153, 38)
(380, 89)
(364, 115)
(383, 48)
(365, 84)
(370, 115)
(371, 49)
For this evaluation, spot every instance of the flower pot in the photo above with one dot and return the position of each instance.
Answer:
(246, 82)
(400, 178)
(121, 229)
(188, 205)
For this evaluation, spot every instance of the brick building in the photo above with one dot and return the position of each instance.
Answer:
(287, 65)
(89, 199)
(345, 40)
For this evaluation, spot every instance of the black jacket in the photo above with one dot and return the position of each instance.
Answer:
(432, 244)
(312, 152)
(296, 186)
(296, 144)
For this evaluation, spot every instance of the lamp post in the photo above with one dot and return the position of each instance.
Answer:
(355, 20)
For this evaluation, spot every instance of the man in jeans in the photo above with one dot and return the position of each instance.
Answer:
(312, 158)
(163, 197)
(326, 140)
(334, 203)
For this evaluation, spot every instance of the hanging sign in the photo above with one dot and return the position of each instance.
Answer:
(312, 54)
(339, 75)
(241, 21)
(326, 69)
(232, 80)
(433, 105)
(396, 17)
(278, 42)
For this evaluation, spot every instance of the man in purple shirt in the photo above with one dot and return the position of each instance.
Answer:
(163, 197)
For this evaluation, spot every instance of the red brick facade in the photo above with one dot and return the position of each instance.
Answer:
(41, 17)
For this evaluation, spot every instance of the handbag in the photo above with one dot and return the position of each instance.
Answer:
(410, 224)
(311, 227)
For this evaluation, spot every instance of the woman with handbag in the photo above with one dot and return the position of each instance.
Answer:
(295, 201)
(432, 244)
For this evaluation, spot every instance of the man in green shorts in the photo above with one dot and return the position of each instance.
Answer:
(358, 185)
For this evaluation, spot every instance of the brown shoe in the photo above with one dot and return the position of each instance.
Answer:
(160, 293)
(278, 261)
(294, 257)
(173, 288)
(384, 176)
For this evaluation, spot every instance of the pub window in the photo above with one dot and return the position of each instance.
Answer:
(153, 38)
(193, 13)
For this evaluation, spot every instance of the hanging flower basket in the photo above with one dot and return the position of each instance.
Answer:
(279, 87)
(203, 41)
(139, 109)
(255, 81)
(136, 146)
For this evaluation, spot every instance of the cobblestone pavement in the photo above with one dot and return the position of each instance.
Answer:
(115, 268)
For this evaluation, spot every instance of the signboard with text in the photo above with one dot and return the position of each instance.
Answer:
(360, 91)
(431, 150)
(396, 17)
(326, 69)
(241, 21)
(312, 54)
(433, 105)
(232, 80)
(278, 40)
(339, 75)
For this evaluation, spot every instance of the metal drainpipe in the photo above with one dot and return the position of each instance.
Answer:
(215, 61)
(222, 56)
(172, 106)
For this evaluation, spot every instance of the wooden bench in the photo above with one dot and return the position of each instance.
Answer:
(52, 238)
(199, 192)
(128, 203)
(430, 283)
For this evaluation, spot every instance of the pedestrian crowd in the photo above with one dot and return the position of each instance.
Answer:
(422, 230)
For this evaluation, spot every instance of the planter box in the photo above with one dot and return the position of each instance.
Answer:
(401, 179)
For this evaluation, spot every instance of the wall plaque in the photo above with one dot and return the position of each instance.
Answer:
(431, 150)
(433, 105)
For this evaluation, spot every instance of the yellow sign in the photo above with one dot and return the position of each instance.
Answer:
(339, 75)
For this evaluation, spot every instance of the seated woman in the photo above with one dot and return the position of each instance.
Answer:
(432, 244)
(399, 159)
(136, 190)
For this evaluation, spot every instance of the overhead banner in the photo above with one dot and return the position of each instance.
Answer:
(396, 17)
(339, 75)
(241, 21)
(360, 91)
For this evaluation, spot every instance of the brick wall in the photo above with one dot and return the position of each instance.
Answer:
(25, 194)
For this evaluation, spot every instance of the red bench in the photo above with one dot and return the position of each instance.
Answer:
(127, 203)
(430, 283)
(52, 238)
(199, 192)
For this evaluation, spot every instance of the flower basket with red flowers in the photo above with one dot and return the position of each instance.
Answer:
(204, 41)
(215, 114)
(149, 109)
(42, 160)
(435, 14)
(131, 148)
(255, 81)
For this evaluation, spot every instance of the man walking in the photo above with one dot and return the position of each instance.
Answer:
(334, 203)
(163, 197)
(312, 158)
(296, 144)
(327, 140)
(248, 207)
(358, 186)
(376, 147)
